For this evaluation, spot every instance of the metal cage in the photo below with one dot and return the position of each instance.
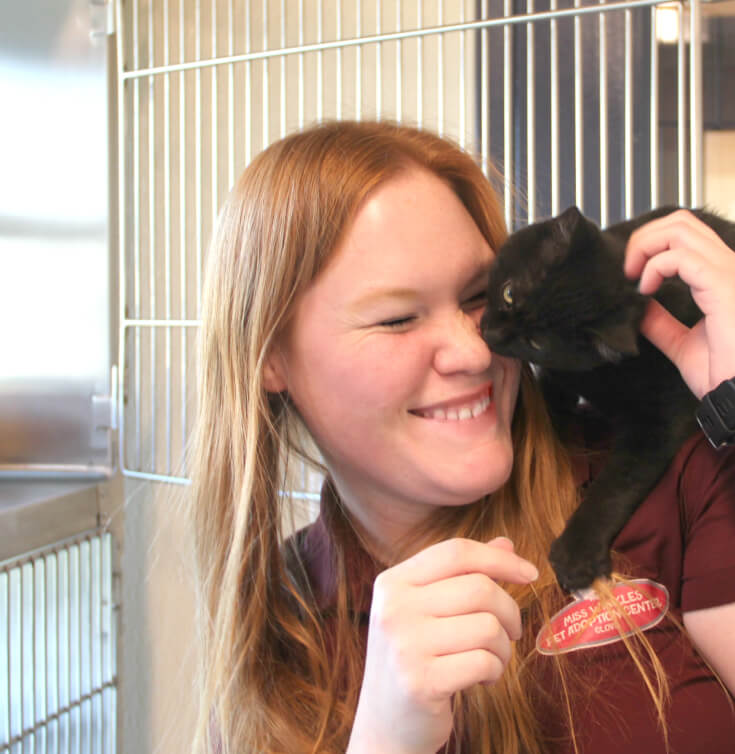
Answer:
(576, 103)
(58, 665)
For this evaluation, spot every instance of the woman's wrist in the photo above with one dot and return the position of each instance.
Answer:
(368, 738)
(359, 744)
(716, 414)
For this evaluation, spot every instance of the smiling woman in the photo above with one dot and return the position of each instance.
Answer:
(383, 344)
(344, 292)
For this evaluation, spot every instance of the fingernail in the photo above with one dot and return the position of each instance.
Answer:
(528, 570)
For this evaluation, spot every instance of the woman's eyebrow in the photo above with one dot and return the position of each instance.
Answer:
(479, 278)
(377, 295)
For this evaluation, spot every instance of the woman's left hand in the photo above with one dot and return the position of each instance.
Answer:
(680, 244)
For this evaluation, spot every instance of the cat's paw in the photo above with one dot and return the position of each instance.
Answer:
(577, 561)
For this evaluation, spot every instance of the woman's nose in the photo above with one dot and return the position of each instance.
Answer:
(461, 347)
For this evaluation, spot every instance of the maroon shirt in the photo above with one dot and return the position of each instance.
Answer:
(681, 536)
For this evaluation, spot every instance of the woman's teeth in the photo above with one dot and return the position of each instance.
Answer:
(458, 413)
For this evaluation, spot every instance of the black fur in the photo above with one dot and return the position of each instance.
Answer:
(557, 297)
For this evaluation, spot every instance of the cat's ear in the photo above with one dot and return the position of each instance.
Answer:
(566, 224)
(559, 232)
(617, 341)
(572, 234)
(574, 228)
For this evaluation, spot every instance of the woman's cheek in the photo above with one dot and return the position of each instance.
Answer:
(393, 361)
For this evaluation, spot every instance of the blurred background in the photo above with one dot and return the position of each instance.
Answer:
(124, 125)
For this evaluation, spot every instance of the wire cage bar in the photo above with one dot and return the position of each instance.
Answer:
(565, 97)
(58, 633)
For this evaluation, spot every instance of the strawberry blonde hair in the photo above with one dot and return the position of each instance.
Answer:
(269, 682)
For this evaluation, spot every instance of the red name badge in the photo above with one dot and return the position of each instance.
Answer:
(586, 623)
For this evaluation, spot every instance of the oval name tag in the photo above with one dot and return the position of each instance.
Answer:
(585, 622)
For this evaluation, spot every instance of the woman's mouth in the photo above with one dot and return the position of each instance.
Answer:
(460, 409)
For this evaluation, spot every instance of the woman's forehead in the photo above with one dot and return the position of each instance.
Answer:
(411, 217)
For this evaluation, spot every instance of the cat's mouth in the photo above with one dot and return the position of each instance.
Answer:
(458, 409)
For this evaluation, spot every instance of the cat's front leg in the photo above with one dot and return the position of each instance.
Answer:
(582, 552)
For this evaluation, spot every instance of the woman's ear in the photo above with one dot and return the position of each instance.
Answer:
(274, 372)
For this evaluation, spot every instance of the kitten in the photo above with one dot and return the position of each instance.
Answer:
(557, 297)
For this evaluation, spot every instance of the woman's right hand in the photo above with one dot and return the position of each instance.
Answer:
(439, 623)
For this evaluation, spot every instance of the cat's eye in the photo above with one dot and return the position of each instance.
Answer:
(508, 294)
(534, 344)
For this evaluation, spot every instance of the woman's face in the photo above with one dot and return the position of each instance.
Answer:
(386, 366)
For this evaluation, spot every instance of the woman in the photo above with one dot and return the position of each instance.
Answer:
(342, 303)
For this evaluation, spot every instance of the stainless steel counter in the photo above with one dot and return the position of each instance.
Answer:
(39, 512)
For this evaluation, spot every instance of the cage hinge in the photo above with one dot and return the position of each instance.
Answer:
(101, 19)
(104, 413)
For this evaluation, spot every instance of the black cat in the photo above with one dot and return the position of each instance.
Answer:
(557, 297)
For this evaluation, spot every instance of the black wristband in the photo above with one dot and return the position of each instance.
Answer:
(716, 414)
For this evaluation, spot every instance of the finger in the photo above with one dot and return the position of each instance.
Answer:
(689, 265)
(454, 557)
(469, 594)
(503, 542)
(676, 229)
(464, 633)
(664, 330)
(451, 673)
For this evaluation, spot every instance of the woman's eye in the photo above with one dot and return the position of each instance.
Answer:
(479, 299)
(397, 322)
(508, 294)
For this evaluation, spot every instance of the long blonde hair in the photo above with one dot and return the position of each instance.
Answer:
(269, 683)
